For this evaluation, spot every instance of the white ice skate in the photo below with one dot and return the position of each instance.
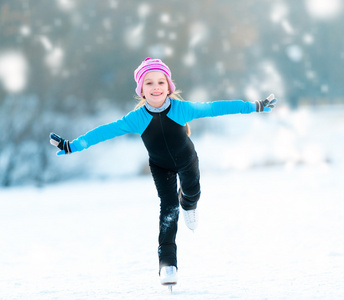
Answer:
(168, 275)
(191, 218)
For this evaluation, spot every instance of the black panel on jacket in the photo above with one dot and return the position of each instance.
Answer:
(167, 142)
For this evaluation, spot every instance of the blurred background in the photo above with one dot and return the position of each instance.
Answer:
(67, 66)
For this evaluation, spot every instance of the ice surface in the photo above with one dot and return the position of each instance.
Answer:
(263, 234)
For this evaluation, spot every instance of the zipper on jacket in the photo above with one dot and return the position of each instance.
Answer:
(163, 134)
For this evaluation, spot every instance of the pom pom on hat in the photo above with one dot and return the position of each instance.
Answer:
(150, 65)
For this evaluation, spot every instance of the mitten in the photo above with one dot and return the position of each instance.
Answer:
(64, 145)
(267, 104)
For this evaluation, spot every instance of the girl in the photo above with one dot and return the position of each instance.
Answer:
(161, 121)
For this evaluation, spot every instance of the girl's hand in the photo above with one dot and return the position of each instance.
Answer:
(267, 104)
(65, 146)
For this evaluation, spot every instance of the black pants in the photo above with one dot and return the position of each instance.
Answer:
(166, 185)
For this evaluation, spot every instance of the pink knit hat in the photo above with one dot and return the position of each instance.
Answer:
(149, 65)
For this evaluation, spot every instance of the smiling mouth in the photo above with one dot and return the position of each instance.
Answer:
(156, 94)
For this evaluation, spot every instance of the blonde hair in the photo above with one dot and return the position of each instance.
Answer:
(174, 95)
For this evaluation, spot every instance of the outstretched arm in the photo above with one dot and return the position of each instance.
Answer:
(188, 111)
(93, 137)
(135, 122)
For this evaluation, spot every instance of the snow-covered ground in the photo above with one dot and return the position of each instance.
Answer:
(270, 228)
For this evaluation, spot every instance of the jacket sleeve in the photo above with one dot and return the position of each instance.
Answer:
(185, 111)
(134, 122)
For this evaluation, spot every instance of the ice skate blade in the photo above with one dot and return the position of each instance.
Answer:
(170, 285)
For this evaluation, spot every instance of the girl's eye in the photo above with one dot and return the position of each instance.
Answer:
(161, 82)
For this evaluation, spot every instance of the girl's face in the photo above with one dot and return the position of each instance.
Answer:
(155, 88)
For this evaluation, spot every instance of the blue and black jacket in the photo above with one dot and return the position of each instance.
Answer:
(164, 133)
